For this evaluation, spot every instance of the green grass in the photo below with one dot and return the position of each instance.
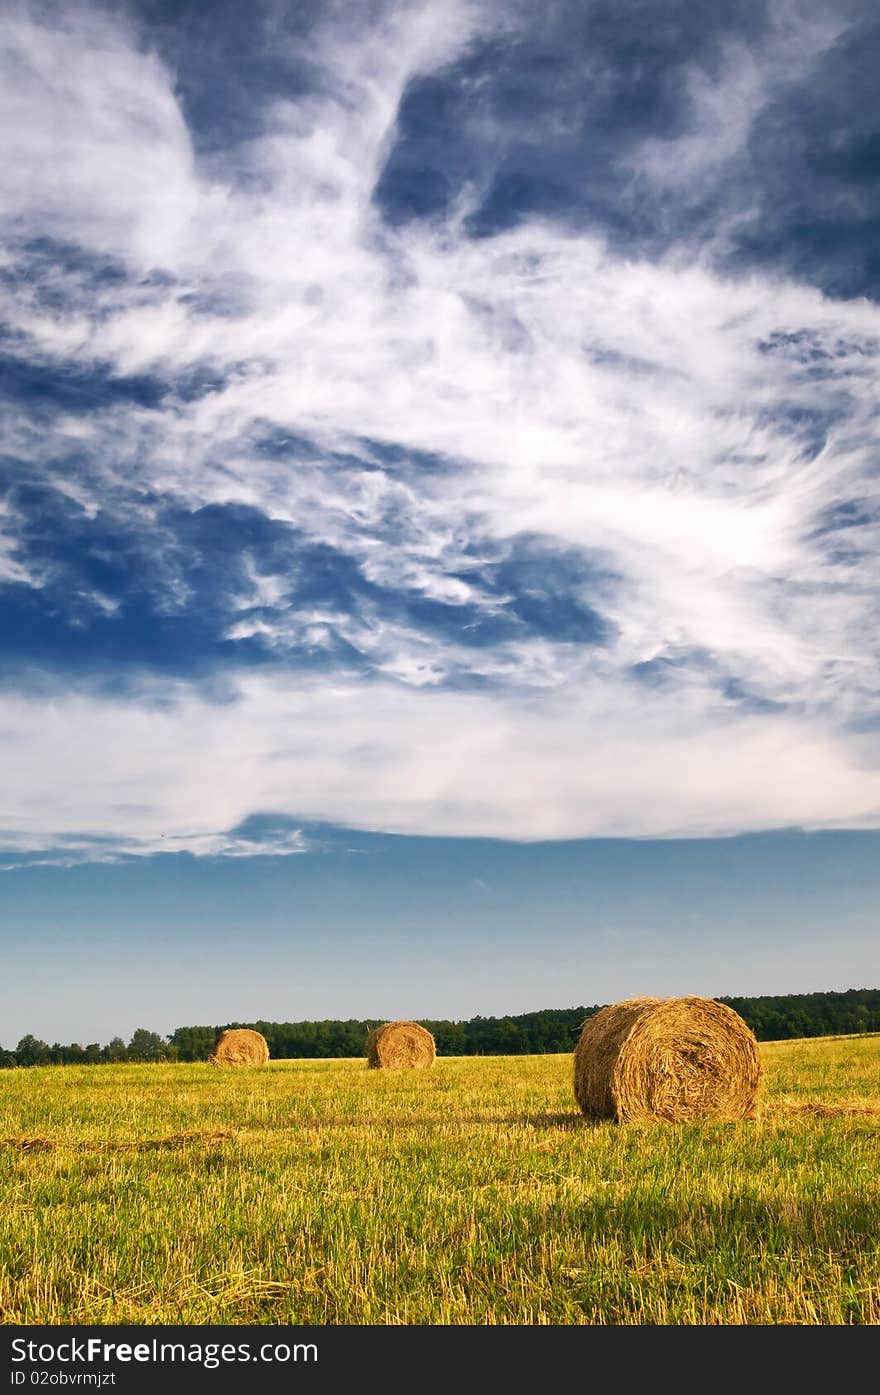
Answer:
(321, 1192)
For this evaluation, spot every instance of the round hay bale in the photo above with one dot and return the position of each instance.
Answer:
(667, 1058)
(400, 1046)
(239, 1046)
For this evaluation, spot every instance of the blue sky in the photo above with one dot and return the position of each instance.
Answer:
(438, 451)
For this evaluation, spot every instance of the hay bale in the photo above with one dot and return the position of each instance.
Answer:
(667, 1058)
(239, 1046)
(400, 1046)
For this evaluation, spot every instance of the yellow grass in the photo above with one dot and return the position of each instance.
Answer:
(323, 1192)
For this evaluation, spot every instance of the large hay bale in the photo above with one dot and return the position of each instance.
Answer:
(667, 1058)
(400, 1046)
(239, 1046)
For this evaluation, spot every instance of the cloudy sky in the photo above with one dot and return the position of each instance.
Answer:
(439, 523)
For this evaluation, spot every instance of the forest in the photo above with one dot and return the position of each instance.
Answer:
(531, 1033)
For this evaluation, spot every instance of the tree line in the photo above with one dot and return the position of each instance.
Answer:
(529, 1033)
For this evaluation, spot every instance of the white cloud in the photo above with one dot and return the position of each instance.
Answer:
(174, 771)
(102, 153)
(11, 568)
(725, 103)
(629, 409)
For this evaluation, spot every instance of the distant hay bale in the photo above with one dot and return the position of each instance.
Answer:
(667, 1058)
(239, 1046)
(400, 1046)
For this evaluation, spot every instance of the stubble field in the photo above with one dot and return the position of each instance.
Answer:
(318, 1192)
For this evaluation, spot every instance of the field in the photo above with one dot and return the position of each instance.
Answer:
(318, 1192)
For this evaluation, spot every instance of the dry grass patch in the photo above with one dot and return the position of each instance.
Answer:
(818, 1109)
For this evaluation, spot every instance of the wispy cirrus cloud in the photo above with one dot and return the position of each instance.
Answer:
(432, 523)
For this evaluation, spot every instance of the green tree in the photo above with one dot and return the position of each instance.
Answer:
(193, 1043)
(31, 1051)
(147, 1046)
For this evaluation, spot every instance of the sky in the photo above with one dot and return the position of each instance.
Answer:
(439, 521)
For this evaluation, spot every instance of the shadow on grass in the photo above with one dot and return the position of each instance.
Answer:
(650, 1223)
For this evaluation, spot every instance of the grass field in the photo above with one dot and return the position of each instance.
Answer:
(319, 1192)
